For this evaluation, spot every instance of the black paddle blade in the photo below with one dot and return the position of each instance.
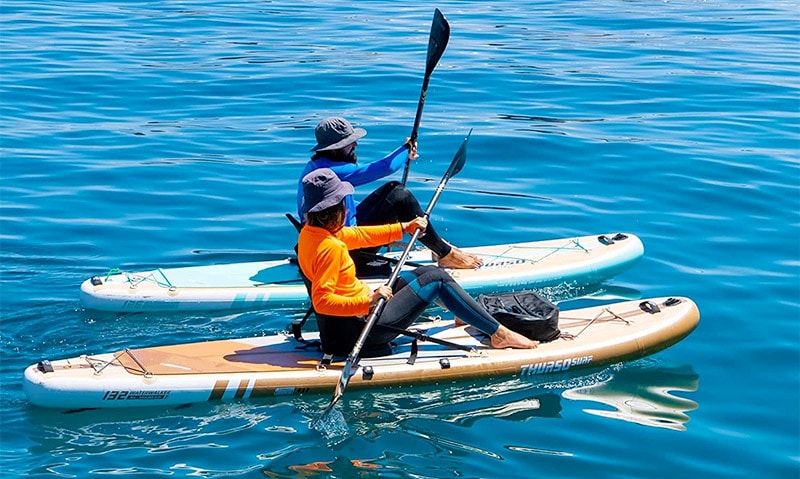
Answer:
(437, 42)
(459, 159)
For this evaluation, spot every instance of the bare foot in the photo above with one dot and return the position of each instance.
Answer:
(457, 259)
(505, 338)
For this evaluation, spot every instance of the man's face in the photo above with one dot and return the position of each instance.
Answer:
(349, 152)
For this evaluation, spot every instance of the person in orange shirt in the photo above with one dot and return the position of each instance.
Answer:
(342, 301)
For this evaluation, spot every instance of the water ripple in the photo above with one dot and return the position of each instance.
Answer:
(141, 135)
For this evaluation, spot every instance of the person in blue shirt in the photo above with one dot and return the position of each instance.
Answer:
(389, 203)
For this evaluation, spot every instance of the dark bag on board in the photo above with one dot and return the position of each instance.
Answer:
(524, 312)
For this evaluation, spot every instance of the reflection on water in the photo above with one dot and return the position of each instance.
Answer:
(466, 413)
(541, 405)
(432, 427)
(189, 440)
(643, 395)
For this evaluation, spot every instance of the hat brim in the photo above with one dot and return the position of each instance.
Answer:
(332, 198)
(357, 133)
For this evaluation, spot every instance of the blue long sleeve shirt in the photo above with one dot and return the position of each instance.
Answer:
(354, 173)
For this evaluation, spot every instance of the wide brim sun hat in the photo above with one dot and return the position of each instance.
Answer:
(323, 189)
(334, 133)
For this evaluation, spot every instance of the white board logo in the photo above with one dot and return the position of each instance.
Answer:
(503, 263)
(554, 366)
(134, 395)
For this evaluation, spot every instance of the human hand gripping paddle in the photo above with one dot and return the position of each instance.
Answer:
(455, 166)
(437, 42)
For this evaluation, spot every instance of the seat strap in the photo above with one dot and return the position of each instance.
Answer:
(297, 326)
(419, 336)
(324, 362)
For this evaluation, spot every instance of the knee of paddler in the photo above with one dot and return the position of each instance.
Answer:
(429, 274)
(431, 279)
(398, 193)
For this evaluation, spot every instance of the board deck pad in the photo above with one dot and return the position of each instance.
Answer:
(584, 260)
(242, 368)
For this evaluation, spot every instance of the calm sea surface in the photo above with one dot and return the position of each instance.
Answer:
(140, 134)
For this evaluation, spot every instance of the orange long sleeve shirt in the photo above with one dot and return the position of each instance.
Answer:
(324, 259)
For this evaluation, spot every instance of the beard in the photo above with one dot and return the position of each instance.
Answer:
(338, 155)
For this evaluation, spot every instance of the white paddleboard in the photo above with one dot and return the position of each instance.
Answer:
(245, 368)
(577, 261)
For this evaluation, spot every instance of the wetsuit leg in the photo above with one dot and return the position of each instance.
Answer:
(393, 202)
(431, 282)
(414, 293)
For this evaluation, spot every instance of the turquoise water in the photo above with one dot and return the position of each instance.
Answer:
(171, 133)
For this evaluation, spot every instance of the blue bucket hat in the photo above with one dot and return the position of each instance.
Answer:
(323, 189)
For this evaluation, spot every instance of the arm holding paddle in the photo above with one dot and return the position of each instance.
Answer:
(412, 149)
(384, 291)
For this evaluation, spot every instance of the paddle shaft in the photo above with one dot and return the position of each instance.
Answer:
(455, 166)
(418, 116)
(437, 42)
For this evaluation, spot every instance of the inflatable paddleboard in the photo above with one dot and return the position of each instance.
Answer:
(581, 260)
(246, 368)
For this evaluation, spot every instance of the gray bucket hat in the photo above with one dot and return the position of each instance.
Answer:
(334, 133)
(323, 189)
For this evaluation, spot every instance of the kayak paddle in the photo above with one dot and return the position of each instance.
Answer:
(437, 42)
